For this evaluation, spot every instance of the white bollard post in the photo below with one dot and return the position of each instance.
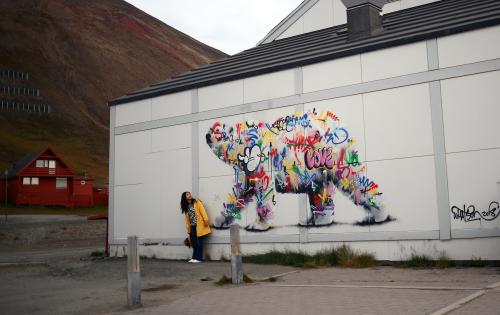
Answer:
(134, 273)
(236, 262)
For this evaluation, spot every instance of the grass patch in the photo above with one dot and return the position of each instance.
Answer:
(352, 259)
(274, 257)
(478, 262)
(224, 280)
(417, 261)
(444, 262)
(343, 256)
(424, 261)
(97, 254)
(14, 210)
(247, 279)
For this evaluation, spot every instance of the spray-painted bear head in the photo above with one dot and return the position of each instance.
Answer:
(240, 146)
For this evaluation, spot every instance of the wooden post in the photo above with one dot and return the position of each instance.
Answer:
(236, 262)
(134, 274)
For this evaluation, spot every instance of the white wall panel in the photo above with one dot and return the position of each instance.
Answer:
(318, 17)
(391, 7)
(288, 212)
(170, 138)
(350, 113)
(214, 192)
(268, 86)
(471, 111)
(220, 95)
(169, 175)
(398, 123)
(296, 28)
(339, 13)
(468, 47)
(129, 218)
(331, 74)
(171, 105)
(472, 178)
(131, 113)
(130, 152)
(405, 4)
(151, 209)
(392, 62)
(324, 14)
(408, 188)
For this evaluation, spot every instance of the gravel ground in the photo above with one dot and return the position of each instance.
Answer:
(46, 268)
(29, 232)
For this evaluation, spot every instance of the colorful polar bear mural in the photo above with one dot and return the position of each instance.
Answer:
(307, 153)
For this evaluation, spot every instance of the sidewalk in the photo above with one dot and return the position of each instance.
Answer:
(380, 290)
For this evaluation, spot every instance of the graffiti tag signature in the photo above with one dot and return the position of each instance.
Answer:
(469, 213)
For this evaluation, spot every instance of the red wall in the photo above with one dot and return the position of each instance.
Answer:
(45, 194)
(100, 196)
(83, 190)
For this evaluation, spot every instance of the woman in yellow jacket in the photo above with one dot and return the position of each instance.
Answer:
(196, 224)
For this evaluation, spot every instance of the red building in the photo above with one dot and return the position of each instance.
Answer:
(43, 178)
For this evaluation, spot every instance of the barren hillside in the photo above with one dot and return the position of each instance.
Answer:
(79, 55)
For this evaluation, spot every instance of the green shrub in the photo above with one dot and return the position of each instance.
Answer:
(477, 262)
(343, 256)
(444, 261)
(417, 261)
(287, 258)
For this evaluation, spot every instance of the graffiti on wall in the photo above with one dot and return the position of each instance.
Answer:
(309, 153)
(469, 213)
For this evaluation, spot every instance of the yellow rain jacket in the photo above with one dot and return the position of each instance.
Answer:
(202, 226)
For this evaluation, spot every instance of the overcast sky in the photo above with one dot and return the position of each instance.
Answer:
(228, 25)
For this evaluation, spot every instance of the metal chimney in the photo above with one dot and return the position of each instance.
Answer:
(363, 18)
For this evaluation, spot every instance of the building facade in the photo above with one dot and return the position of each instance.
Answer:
(42, 178)
(382, 138)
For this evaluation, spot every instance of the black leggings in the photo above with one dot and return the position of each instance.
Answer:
(196, 243)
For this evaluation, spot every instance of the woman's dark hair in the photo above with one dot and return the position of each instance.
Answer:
(185, 202)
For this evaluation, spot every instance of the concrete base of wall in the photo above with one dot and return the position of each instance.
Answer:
(461, 249)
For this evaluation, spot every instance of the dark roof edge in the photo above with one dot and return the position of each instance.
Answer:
(370, 47)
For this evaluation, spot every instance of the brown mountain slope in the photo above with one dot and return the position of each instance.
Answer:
(80, 54)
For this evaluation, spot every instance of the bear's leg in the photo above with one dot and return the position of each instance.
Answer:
(236, 202)
(264, 195)
(363, 192)
(321, 202)
(370, 200)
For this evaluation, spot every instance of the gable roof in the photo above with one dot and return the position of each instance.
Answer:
(17, 167)
(401, 27)
(288, 21)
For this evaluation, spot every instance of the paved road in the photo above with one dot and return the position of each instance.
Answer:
(381, 290)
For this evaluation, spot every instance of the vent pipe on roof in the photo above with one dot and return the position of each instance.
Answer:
(363, 18)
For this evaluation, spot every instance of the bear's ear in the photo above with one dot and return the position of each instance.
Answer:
(208, 136)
